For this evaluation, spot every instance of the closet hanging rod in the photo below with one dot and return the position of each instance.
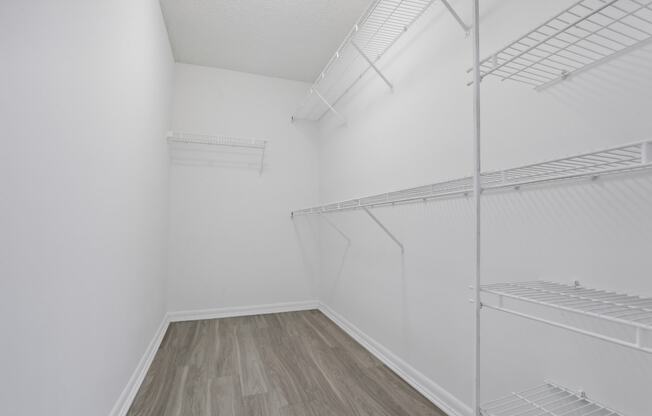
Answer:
(585, 35)
(377, 30)
(627, 158)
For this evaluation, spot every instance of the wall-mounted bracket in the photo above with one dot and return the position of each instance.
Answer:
(465, 27)
(336, 228)
(372, 65)
(382, 226)
(646, 153)
(262, 159)
(330, 107)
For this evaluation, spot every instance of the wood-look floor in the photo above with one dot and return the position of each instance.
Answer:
(287, 364)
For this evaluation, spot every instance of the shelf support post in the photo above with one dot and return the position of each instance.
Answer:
(372, 65)
(330, 107)
(477, 192)
(457, 17)
(385, 229)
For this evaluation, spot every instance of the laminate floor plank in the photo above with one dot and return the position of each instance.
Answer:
(285, 364)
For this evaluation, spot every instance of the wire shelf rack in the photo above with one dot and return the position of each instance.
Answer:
(253, 147)
(579, 38)
(202, 139)
(632, 311)
(380, 27)
(548, 399)
(616, 160)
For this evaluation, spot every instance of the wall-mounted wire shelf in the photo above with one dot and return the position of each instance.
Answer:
(257, 145)
(380, 26)
(579, 38)
(634, 312)
(548, 399)
(616, 160)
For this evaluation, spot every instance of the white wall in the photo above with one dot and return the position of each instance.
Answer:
(598, 233)
(232, 242)
(83, 173)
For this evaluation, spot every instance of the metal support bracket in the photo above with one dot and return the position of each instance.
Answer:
(336, 228)
(646, 154)
(372, 65)
(330, 107)
(262, 160)
(465, 27)
(389, 233)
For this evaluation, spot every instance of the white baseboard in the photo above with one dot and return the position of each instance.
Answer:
(431, 390)
(241, 311)
(127, 396)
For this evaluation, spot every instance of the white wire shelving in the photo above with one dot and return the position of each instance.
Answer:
(377, 30)
(615, 160)
(548, 399)
(634, 312)
(581, 37)
(257, 145)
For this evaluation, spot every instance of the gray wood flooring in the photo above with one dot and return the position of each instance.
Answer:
(286, 364)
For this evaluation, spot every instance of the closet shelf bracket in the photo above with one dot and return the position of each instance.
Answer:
(372, 65)
(385, 229)
(336, 228)
(456, 16)
(330, 107)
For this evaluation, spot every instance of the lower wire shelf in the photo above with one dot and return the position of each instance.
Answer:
(634, 312)
(548, 399)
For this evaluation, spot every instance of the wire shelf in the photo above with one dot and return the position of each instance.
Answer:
(255, 148)
(548, 399)
(380, 26)
(202, 139)
(615, 160)
(634, 312)
(624, 309)
(579, 38)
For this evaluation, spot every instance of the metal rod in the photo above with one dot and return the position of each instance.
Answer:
(372, 65)
(572, 329)
(389, 233)
(457, 17)
(477, 191)
(262, 160)
(328, 105)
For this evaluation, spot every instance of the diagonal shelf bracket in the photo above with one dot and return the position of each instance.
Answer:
(330, 107)
(372, 65)
(457, 17)
(336, 228)
(385, 229)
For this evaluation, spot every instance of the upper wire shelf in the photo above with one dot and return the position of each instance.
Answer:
(548, 399)
(379, 27)
(203, 139)
(621, 159)
(256, 146)
(579, 38)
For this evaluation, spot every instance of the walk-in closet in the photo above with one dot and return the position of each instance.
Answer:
(326, 208)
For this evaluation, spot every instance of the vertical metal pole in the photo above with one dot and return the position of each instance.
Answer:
(477, 191)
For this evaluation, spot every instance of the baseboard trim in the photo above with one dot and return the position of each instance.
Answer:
(127, 396)
(431, 390)
(242, 311)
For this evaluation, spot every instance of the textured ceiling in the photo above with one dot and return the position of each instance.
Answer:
(290, 39)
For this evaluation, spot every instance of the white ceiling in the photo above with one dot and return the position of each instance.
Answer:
(290, 39)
